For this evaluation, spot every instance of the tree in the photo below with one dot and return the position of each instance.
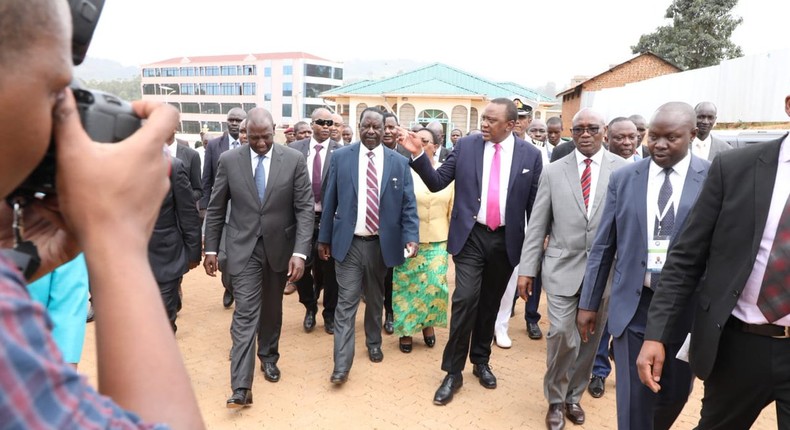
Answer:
(127, 89)
(699, 35)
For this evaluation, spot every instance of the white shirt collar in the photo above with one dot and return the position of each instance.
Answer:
(314, 142)
(705, 143)
(597, 158)
(681, 167)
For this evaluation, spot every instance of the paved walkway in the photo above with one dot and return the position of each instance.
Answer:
(396, 393)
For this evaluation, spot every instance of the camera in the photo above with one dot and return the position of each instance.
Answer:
(105, 117)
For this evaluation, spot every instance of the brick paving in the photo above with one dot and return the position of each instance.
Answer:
(396, 393)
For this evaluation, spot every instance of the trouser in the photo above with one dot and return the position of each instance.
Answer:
(318, 275)
(170, 299)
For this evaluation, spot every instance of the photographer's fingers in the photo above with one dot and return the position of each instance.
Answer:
(70, 137)
(161, 121)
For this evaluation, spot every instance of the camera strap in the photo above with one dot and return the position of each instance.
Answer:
(24, 254)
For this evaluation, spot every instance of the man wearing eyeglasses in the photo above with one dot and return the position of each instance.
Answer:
(647, 204)
(319, 274)
(568, 209)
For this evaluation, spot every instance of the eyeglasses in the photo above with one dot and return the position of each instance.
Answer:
(578, 131)
(324, 122)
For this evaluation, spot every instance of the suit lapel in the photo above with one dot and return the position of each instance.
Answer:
(519, 154)
(275, 166)
(572, 176)
(764, 173)
(224, 144)
(603, 181)
(387, 161)
(691, 188)
(478, 149)
(638, 197)
(325, 163)
(355, 148)
(245, 166)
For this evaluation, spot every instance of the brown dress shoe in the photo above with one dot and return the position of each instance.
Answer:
(290, 288)
(554, 417)
(575, 413)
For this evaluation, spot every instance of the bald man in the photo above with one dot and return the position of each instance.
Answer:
(336, 131)
(647, 204)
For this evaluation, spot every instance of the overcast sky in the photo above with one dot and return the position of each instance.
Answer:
(527, 42)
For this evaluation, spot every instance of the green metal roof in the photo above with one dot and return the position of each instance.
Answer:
(437, 79)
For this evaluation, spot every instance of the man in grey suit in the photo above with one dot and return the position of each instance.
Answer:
(568, 209)
(319, 274)
(268, 239)
(706, 145)
(646, 205)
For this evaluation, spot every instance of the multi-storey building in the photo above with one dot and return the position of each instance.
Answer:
(205, 88)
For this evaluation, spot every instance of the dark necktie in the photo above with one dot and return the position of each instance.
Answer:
(260, 178)
(372, 211)
(774, 297)
(663, 226)
(586, 182)
(316, 180)
(234, 144)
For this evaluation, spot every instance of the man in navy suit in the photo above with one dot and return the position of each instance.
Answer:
(646, 205)
(369, 223)
(214, 148)
(496, 180)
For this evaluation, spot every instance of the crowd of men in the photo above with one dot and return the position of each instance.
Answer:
(681, 249)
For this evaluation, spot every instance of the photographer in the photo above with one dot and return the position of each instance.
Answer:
(108, 199)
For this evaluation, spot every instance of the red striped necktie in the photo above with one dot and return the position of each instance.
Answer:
(586, 181)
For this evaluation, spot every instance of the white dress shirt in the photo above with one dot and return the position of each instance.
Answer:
(746, 308)
(173, 147)
(362, 194)
(595, 171)
(506, 160)
(701, 148)
(655, 180)
(545, 150)
(311, 156)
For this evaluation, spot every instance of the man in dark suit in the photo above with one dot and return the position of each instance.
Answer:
(319, 274)
(733, 253)
(267, 241)
(191, 160)
(646, 205)
(214, 148)
(496, 180)
(175, 245)
(706, 145)
(369, 223)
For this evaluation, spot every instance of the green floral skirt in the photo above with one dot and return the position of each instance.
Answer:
(419, 290)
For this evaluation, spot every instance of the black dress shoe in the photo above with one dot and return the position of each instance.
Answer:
(575, 413)
(227, 299)
(241, 398)
(533, 331)
(597, 386)
(554, 417)
(484, 374)
(338, 378)
(375, 355)
(329, 327)
(388, 324)
(450, 385)
(270, 372)
(180, 299)
(430, 340)
(309, 321)
(405, 347)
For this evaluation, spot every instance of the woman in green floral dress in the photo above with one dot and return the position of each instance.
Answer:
(419, 286)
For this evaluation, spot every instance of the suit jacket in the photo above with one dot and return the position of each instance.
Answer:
(623, 232)
(191, 160)
(717, 146)
(398, 221)
(467, 157)
(443, 153)
(214, 148)
(715, 252)
(303, 146)
(176, 239)
(285, 218)
(563, 149)
(560, 213)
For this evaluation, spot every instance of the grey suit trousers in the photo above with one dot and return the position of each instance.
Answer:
(258, 291)
(362, 271)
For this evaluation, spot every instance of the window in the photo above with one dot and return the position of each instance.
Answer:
(209, 89)
(337, 73)
(214, 126)
(317, 71)
(287, 89)
(150, 73)
(267, 97)
(226, 107)
(149, 88)
(288, 70)
(190, 107)
(209, 71)
(230, 70)
(190, 127)
(308, 109)
(169, 71)
(248, 106)
(210, 108)
(267, 72)
(313, 90)
(248, 88)
(230, 89)
(187, 71)
(189, 89)
(287, 108)
(250, 70)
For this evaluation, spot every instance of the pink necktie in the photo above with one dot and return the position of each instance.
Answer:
(492, 201)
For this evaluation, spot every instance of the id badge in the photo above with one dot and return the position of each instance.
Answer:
(657, 254)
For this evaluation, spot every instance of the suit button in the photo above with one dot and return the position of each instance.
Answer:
(643, 264)
(638, 292)
(718, 326)
(474, 217)
(478, 199)
(735, 293)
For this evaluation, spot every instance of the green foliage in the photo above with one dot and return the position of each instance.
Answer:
(127, 89)
(699, 35)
